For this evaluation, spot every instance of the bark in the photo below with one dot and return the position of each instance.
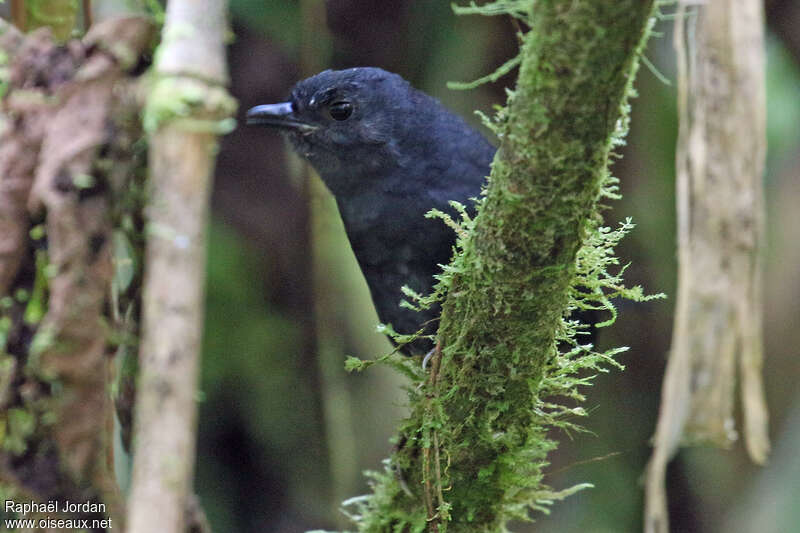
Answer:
(18, 152)
(184, 114)
(65, 110)
(718, 317)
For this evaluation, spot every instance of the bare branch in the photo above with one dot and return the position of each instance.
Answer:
(184, 113)
(718, 317)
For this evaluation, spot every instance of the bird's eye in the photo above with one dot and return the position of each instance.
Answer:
(340, 110)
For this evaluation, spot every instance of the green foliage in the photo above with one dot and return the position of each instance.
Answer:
(16, 425)
(37, 302)
(154, 9)
(4, 73)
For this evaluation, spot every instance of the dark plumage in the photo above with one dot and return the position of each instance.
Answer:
(388, 153)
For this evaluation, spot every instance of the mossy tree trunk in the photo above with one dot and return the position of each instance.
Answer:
(470, 457)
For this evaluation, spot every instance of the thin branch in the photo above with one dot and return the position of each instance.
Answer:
(18, 14)
(185, 111)
(87, 14)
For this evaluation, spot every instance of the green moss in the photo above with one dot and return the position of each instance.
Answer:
(184, 99)
(5, 74)
(37, 303)
(16, 425)
(472, 453)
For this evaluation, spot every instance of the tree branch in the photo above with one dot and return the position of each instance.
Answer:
(718, 316)
(185, 111)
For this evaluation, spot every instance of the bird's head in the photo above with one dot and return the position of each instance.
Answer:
(342, 121)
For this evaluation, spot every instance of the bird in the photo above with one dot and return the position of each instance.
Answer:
(388, 153)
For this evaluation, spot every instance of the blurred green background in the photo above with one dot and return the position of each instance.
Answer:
(285, 433)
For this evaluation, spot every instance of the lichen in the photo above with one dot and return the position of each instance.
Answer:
(182, 99)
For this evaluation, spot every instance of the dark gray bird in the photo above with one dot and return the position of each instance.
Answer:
(388, 153)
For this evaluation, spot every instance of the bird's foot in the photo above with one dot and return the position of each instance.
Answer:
(427, 358)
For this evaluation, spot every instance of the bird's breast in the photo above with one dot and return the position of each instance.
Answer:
(390, 229)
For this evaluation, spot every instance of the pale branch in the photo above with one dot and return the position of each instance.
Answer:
(718, 317)
(186, 109)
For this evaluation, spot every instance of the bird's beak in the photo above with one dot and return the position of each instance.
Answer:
(277, 116)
